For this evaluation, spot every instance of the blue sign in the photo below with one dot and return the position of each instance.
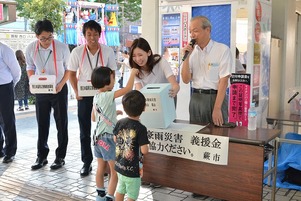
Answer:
(133, 29)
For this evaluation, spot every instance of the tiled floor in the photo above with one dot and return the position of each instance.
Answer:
(19, 182)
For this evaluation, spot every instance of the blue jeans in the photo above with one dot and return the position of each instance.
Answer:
(25, 100)
(105, 147)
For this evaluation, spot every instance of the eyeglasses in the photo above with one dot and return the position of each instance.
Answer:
(46, 39)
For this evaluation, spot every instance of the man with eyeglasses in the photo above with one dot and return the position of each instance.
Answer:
(47, 56)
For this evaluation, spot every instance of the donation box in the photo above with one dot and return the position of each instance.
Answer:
(85, 88)
(160, 109)
(42, 84)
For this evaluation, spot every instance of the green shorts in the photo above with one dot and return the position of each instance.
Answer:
(129, 186)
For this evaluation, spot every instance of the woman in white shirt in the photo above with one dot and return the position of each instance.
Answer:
(152, 67)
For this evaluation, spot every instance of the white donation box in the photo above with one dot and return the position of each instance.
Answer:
(85, 88)
(42, 84)
(160, 108)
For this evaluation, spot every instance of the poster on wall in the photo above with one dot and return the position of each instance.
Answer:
(171, 40)
(239, 98)
(261, 59)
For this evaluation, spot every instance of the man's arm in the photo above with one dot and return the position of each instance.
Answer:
(73, 82)
(11, 61)
(30, 66)
(66, 54)
(185, 72)
(61, 84)
(217, 115)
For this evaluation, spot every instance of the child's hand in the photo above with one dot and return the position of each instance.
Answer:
(135, 71)
(119, 112)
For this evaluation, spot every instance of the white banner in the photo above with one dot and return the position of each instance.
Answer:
(189, 145)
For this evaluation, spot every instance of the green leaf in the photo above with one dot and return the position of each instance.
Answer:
(36, 10)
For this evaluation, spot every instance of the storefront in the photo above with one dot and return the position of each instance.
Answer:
(7, 11)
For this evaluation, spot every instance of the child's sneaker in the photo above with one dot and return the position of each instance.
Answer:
(101, 195)
(109, 198)
(98, 198)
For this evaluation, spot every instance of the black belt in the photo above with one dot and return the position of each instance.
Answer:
(204, 91)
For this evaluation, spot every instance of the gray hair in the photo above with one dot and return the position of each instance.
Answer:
(205, 21)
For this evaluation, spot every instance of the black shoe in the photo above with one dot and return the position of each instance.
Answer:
(20, 109)
(39, 164)
(58, 163)
(8, 159)
(2, 154)
(109, 198)
(195, 195)
(86, 169)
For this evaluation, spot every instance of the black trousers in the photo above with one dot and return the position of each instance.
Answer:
(7, 120)
(84, 110)
(1, 142)
(44, 104)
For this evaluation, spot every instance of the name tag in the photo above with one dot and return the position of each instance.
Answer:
(42, 84)
(85, 88)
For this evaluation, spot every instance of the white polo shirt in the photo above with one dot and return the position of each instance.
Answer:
(209, 65)
(79, 61)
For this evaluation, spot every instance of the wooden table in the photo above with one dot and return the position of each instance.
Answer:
(241, 179)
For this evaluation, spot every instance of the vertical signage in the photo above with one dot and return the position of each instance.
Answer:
(171, 40)
(239, 98)
(1, 12)
(261, 52)
(184, 29)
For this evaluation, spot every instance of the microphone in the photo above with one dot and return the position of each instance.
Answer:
(294, 96)
(192, 43)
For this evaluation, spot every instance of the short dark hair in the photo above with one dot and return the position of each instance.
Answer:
(133, 103)
(43, 25)
(93, 25)
(101, 76)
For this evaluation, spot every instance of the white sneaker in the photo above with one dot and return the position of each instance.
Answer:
(98, 198)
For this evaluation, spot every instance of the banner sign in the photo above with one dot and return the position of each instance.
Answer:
(1, 12)
(194, 146)
(184, 29)
(239, 98)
